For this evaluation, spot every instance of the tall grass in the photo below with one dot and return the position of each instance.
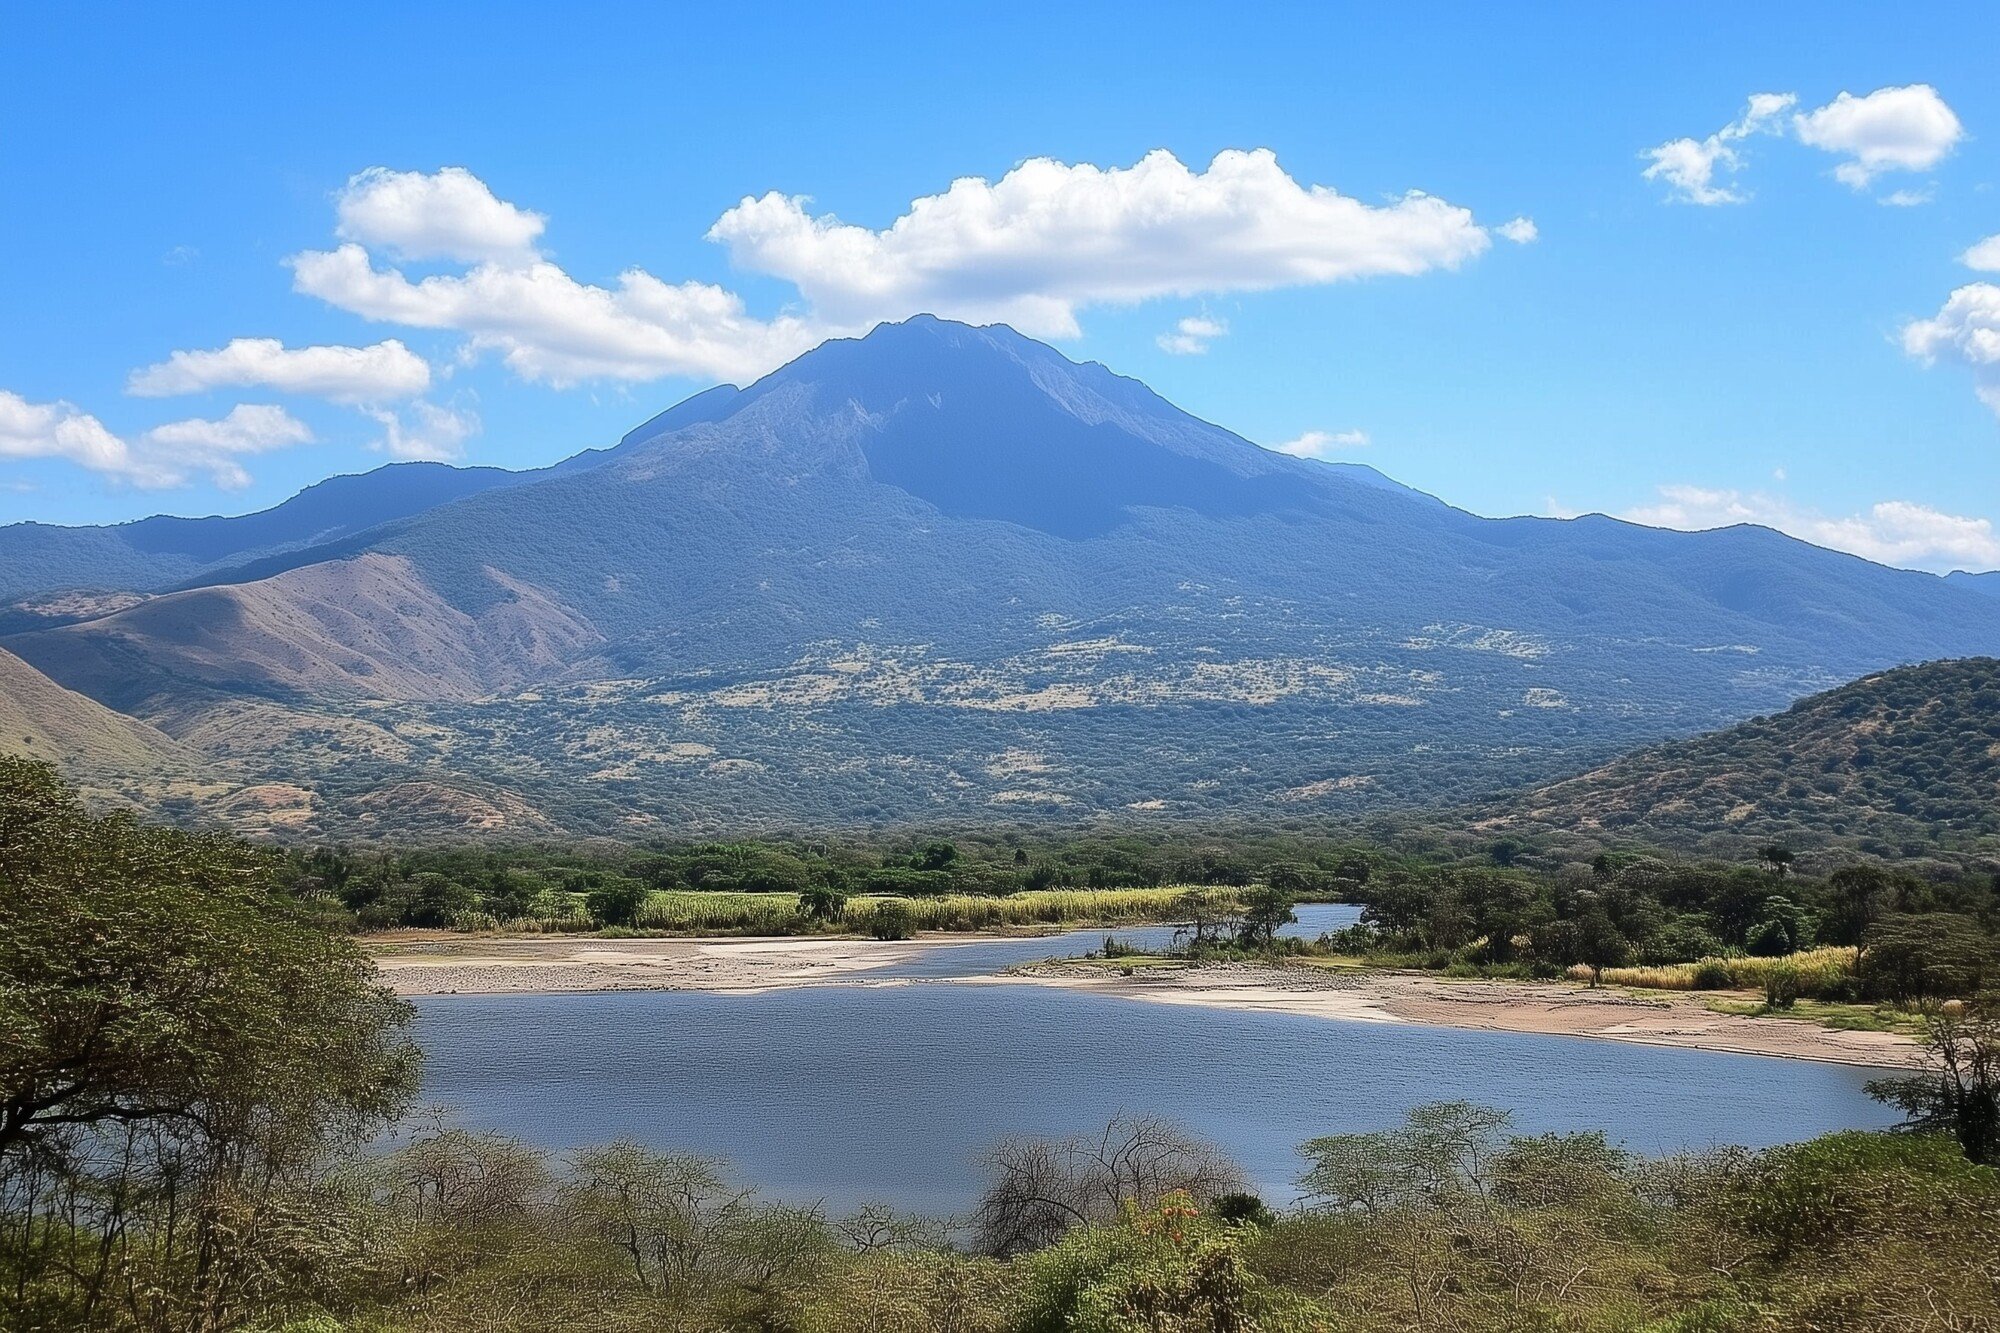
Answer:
(697, 912)
(1821, 974)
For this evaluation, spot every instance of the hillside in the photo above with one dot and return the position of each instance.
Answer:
(1896, 763)
(1989, 584)
(42, 720)
(944, 572)
(151, 554)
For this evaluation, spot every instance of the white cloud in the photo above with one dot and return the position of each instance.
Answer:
(1323, 444)
(161, 457)
(214, 446)
(1890, 129)
(382, 373)
(450, 214)
(1907, 198)
(1521, 231)
(1031, 249)
(1966, 330)
(1049, 238)
(547, 326)
(1689, 166)
(1985, 256)
(1191, 336)
(424, 431)
(61, 430)
(1894, 532)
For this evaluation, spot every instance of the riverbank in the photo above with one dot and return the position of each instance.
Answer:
(417, 964)
(436, 963)
(1656, 1018)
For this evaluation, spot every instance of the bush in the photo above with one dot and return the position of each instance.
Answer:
(1711, 974)
(892, 919)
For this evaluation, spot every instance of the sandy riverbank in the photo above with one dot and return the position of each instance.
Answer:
(428, 964)
(415, 964)
(1554, 1008)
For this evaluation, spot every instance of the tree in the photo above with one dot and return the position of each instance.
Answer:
(1600, 944)
(1499, 907)
(672, 1216)
(616, 903)
(892, 919)
(934, 856)
(1210, 916)
(1781, 929)
(1266, 910)
(1958, 1090)
(178, 1039)
(1856, 898)
(822, 902)
(1927, 955)
(1777, 859)
(1040, 1188)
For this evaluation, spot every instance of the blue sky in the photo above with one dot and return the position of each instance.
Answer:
(1784, 354)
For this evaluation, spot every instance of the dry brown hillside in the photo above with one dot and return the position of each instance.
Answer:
(42, 720)
(369, 627)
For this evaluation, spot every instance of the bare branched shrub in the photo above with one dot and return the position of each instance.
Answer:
(1040, 1188)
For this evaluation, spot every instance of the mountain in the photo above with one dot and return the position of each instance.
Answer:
(42, 720)
(944, 572)
(1989, 584)
(40, 560)
(1899, 763)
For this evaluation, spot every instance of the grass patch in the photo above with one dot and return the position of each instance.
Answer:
(1840, 1016)
(689, 911)
(1820, 974)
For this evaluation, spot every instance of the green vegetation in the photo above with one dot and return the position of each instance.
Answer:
(195, 1073)
(185, 1055)
(1900, 764)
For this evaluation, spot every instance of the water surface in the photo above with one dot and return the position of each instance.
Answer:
(892, 1092)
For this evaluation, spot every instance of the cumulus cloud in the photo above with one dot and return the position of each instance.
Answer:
(1191, 336)
(448, 214)
(1894, 532)
(1890, 129)
(547, 326)
(1521, 231)
(1965, 331)
(1031, 249)
(424, 431)
(1323, 444)
(161, 457)
(384, 372)
(61, 430)
(214, 446)
(1985, 256)
(1690, 166)
(1049, 237)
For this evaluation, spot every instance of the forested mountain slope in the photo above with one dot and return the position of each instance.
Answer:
(1896, 763)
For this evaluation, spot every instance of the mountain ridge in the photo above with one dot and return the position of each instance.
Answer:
(944, 572)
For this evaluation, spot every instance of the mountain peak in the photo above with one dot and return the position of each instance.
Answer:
(984, 422)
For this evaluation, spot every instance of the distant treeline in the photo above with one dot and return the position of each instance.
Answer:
(1498, 907)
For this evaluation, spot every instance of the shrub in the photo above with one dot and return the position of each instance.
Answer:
(892, 919)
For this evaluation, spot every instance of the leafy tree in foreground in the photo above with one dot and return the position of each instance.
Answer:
(179, 1042)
